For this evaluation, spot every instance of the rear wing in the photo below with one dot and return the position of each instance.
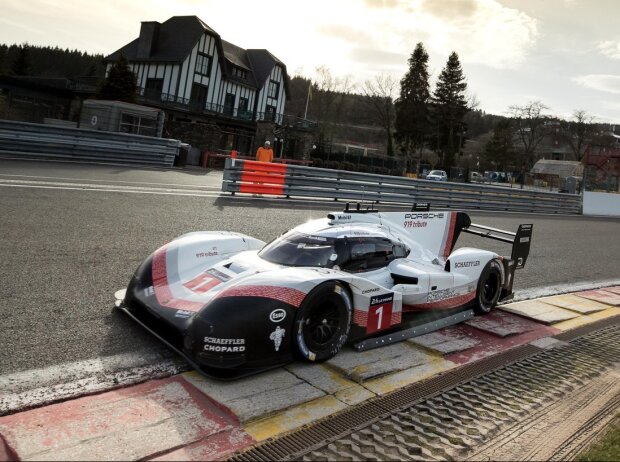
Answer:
(520, 240)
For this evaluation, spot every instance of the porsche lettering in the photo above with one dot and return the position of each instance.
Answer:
(424, 216)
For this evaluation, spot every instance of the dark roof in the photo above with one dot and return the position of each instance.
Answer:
(262, 63)
(176, 38)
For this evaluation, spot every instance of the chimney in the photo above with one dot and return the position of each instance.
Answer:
(149, 30)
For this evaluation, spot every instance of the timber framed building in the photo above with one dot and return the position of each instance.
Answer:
(184, 67)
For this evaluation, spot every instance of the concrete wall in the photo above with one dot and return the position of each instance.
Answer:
(597, 203)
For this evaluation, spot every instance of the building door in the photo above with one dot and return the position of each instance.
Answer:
(229, 104)
(198, 98)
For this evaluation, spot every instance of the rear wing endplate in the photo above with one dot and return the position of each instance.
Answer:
(520, 240)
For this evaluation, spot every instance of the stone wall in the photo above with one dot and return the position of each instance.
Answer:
(204, 136)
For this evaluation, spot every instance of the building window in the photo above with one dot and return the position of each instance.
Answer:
(274, 89)
(243, 112)
(203, 64)
(132, 123)
(154, 87)
(229, 104)
(237, 72)
(270, 113)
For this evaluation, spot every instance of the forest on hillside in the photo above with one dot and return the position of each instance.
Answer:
(38, 61)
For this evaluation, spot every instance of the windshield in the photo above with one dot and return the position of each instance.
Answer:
(297, 249)
(436, 172)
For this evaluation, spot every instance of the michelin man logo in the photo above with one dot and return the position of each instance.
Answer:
(277, 336)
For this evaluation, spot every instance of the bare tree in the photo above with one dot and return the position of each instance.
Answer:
(380, 93)
(529, 122)
(579, 132)
(328, 100)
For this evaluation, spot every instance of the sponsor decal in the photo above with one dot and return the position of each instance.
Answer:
(368, 291)
(277, 315)
(224, 345)
(441, 295)
(343, 217)
(379, 299)
(466, 264)
(182, 314)
(380, 312)
(415, 224)
(218, 274)
(317, 238)
(149, 291)
(277, 336)
(424, 216)
(524, 239)
(210, 253)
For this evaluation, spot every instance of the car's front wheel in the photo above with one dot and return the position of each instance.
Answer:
(323, 321)
(489, 288)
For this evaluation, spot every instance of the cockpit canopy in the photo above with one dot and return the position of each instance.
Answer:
(354, 254)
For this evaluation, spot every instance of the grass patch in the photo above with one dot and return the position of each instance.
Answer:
(606, 447)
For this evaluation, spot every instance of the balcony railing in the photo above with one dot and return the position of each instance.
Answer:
(166, 99)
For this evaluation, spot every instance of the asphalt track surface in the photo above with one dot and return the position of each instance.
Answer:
(72, 234)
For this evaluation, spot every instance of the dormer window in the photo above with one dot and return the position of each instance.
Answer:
(274, 89)
(203, 64)
(240, 73)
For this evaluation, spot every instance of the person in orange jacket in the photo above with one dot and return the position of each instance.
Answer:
(265, 153)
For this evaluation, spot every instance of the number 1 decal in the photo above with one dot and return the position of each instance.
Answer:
(379, 313)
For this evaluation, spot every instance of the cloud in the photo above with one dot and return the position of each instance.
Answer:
(450, 10)
(600, 82)
(610, 49)
(480, 31)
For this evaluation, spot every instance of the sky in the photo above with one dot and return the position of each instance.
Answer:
(563, 53)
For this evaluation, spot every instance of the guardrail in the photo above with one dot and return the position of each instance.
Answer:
(244, 176)
(47, 141)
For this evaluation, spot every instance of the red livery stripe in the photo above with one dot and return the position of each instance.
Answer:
(162, 289)
(287, 295)
(452, 302)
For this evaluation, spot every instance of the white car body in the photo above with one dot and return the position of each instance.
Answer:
(437, 175)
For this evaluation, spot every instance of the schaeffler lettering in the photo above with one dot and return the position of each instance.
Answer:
(224, 345)
(466, 264)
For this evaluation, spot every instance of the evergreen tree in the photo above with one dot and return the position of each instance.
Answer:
(499, 150)
(4, 50)
(120, 84)
(412, 107)
(449, 109)
(21, 65)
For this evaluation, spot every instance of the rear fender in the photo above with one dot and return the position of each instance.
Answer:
(467, 264)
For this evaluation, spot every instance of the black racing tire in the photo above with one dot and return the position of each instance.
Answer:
(489, 288)
(323, 321)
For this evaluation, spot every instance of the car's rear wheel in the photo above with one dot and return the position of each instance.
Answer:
(489, 288)
(323, 321)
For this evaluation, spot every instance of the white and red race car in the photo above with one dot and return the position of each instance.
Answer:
(233, 305)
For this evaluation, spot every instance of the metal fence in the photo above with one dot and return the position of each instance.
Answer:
(243, 176)
(47, 141)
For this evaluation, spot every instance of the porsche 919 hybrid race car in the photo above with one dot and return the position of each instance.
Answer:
(232, 305)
